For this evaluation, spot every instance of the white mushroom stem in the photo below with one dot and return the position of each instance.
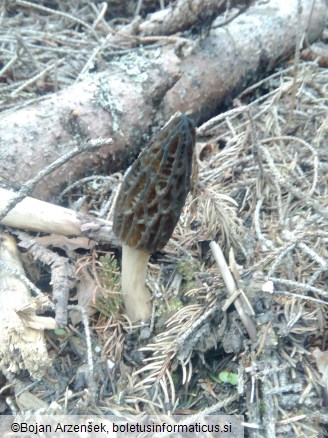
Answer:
(136, 296)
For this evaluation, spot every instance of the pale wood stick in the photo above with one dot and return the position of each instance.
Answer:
(22, 343)
(34, 215)
(232, 289)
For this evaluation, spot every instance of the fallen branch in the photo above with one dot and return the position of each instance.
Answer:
(62, 274)
(178, 17)
(34, 215)
(21, 330)
(29, 186)
(195, 78)
(232, 290)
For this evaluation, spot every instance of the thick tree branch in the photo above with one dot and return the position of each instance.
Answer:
(145, 88)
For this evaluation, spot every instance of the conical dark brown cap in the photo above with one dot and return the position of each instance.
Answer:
(154, 190)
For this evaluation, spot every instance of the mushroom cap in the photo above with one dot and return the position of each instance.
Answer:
(154, 190)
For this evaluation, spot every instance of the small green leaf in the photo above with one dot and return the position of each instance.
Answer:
(227, 377)
(60, 332)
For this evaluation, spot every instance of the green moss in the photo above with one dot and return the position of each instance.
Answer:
(173, 304)
(187, 268)
(110, 277)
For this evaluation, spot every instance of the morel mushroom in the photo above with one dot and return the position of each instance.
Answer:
(148, 207)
